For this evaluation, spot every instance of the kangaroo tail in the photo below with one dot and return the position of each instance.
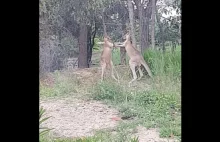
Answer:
(146, 67)
(116, 72)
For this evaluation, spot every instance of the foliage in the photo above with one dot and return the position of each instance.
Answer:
(59, 26)
(162, 64)
(168, 21)
(60, 20)
(43, 130)
(135, 139)
(96, 46)
(59, 23)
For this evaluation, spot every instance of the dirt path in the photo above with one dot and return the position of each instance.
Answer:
(72, 117)
(76, 118)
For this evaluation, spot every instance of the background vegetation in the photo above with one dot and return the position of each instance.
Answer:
(70, 32)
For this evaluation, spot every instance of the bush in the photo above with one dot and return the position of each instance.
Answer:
(164, 64)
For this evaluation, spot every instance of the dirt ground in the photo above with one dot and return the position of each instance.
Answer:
(72, 118)
(78, 118)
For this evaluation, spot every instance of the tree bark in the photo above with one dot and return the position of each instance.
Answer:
(173, 46)
(146, 27)
(83, 62)
(89, 45)
(91, 40)
(153, 24)
(145, 30)
(131, 18)
(163, 41)
(122, 49)
(140, 11)
(103, 22)
(161, 30)
(144, 17)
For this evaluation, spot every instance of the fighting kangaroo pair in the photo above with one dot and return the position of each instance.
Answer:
(136, 59)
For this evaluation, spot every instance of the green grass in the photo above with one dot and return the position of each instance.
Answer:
(87, 139)
(98, 138)
(164, 64)
(159, 107)
(62, 85)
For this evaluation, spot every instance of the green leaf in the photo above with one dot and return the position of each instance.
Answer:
(44, 131)
(44, 119)
(42, 111)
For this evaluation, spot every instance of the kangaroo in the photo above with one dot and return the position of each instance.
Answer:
(106, 57)
(136, 59)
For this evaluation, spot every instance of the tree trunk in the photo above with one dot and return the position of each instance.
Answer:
(103, 22)
(143, 27)
(59, 62)
(173, 46)
(91, 41)
(59, 35)
(153, 24)
(146, 24)
(123, 55)
(131, 18)
(144, 16)
(163, 41)
(145, 32)
(140, 11)
(161, 30)
(122, 49)
(89, 45)
(83, 62)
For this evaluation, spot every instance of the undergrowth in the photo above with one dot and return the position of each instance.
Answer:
(157, 107)
(164, 64)
(62, 84)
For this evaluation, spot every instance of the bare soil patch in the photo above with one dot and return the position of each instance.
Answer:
(150, 135)
(78, 118)
(72, 118)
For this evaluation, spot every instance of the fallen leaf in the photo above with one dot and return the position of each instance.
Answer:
(116, 118)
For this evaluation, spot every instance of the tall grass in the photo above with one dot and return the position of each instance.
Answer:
(159, 107)
(63, 84)
(161, 64)
(164, 64)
